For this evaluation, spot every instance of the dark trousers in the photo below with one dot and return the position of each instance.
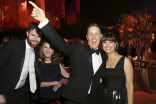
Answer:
(18, 96)
(86, 101)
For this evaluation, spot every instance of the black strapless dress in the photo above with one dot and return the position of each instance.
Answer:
(112, 90)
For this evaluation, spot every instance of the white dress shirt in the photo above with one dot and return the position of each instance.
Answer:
(43, 24)
(96, 62)
(25, 68)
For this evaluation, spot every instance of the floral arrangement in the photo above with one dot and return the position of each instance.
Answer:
(137, 28)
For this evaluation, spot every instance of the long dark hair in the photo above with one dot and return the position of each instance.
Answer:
(54, 57)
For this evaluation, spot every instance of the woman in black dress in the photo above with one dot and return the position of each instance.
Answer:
(117, 77)
(50, 72)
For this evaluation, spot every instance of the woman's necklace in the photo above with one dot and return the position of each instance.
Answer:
(112, 58)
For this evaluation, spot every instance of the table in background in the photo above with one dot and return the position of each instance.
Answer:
(145, 79)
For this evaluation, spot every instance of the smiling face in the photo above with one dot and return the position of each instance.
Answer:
(47, 50)
(93, 36)
(33, 38)
(108, 46)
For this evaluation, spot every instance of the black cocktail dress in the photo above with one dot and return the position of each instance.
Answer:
(113, 90)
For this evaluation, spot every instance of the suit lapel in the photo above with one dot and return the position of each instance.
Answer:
(88, 51)
(23, 49)
(22, 55)
(36, 57)
(86, 58)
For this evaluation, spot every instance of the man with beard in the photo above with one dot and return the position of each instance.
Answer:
(17, 59)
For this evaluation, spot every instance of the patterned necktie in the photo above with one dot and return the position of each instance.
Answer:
(32, 77)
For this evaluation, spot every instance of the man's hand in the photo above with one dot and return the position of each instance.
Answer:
(2, 99)
(38, 13)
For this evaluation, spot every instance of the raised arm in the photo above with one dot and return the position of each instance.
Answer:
(38, 13)
(128, 69)
(50, 32)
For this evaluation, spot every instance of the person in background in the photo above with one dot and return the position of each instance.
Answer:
(15, 64)
(5, 39)
(14, 37)
(38, 47)
(117, 73)
(50, 72)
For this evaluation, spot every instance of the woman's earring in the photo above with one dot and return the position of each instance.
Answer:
(115, 47)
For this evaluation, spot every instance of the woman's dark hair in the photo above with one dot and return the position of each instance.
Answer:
(54, 57)
(110, 36)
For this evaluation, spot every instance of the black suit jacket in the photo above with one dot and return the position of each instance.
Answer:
(81, 75)
(12, 55)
